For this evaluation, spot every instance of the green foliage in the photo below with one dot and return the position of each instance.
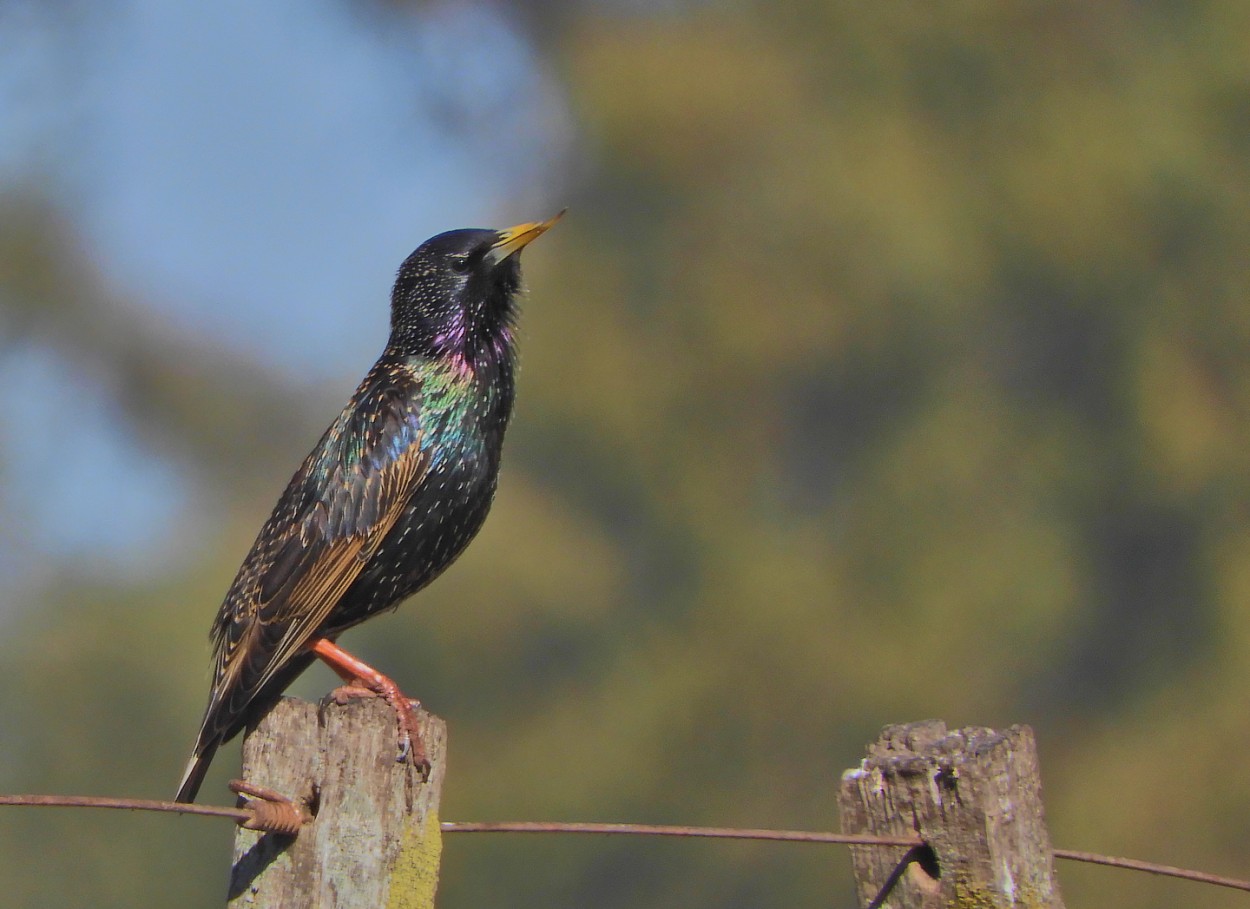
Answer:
(892, 363)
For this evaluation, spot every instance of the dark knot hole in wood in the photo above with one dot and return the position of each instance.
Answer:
(924, 869)
(314, 800)
(920, 864)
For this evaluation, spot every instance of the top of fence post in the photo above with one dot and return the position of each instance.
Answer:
(375, 840)
(974, 796)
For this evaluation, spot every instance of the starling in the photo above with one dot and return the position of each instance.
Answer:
(389, 497)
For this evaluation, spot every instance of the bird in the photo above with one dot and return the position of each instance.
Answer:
(390, 496)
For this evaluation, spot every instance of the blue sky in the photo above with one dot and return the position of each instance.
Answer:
(256, 172)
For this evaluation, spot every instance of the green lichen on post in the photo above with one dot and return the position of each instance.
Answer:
(970, 896)
(414, 878)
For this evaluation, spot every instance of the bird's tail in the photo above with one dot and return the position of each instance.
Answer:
(193, 776)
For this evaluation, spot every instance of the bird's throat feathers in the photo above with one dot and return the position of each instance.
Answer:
(473, 350)
(478, 344)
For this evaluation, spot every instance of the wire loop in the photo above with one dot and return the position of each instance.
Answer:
(271, 812)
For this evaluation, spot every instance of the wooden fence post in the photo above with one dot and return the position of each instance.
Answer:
(974, 796)
(375, 840)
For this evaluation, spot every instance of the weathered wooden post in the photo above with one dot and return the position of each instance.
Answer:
(374, 841)
(974, 796)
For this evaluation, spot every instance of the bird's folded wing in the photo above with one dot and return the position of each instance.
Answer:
(300, 569)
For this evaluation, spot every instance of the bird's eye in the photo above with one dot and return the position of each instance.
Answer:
(462, 264)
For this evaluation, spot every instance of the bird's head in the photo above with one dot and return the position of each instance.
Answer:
(455, 295)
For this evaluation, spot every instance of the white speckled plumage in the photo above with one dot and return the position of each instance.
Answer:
(392, 493)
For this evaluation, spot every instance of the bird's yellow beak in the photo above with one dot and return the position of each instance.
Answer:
(514, 239)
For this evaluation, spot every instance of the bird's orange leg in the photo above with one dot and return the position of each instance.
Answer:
(365, 681)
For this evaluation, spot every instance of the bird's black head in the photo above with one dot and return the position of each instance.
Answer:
(455, 295)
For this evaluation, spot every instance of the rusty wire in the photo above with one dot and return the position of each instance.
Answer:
(262, 809)
(270, 812)
(728, 833)
(810, 836)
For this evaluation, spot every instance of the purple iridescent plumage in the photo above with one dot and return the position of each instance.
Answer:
(392, 493)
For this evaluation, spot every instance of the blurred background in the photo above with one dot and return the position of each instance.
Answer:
(891, 363)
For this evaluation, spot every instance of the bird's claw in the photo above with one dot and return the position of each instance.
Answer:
(420, 763)
(411, 746)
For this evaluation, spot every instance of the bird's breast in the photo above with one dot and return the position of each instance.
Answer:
(461, 436)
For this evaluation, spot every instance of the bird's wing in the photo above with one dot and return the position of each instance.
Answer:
(336, 511)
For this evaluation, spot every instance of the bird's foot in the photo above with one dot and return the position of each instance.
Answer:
(411, 743)
(352, 690)
(365, 681)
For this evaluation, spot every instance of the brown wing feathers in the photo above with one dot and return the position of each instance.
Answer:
(305, 559)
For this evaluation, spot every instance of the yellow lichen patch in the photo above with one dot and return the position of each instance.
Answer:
(414, 877)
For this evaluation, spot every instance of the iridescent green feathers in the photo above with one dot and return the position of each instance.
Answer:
(393, 491)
